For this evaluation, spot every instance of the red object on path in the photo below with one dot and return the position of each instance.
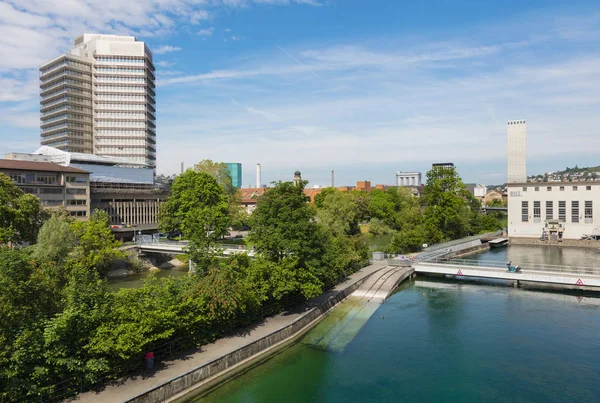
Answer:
(149, 355)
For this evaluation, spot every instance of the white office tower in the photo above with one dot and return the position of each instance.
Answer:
(517, 160)
(258, 185)
(99, 98)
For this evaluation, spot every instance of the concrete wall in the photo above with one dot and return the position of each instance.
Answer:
(565, 242)
(221, 365)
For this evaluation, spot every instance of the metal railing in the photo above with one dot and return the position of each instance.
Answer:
(525, 267)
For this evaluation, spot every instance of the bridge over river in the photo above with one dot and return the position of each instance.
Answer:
(179, 247)
(584, 277)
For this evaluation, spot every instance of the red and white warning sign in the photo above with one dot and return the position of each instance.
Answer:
(459, 273)
(579, 282)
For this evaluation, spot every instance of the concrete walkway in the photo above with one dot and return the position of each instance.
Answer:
(132, 386)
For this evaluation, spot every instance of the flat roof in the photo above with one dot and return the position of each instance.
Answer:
(554, 183)
(38, 166)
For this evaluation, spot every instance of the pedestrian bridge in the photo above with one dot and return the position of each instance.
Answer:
(179, 247)
(584, 277)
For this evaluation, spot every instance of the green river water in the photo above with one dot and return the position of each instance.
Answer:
(439, 341)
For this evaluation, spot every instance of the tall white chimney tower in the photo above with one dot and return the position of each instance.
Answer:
(517, 162)
(258, 185)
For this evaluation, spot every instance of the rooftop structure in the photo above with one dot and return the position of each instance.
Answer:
(408, 178)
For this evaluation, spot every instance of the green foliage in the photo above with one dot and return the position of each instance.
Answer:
(96, 244)
(198, 208)
(56, 239)
(21, 215)
(219, 171)
(339, 213)
(408, 241)
(377, 227)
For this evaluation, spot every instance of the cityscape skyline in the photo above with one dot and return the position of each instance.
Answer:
(388, 97)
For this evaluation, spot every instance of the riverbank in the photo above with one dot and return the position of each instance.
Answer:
(153, 386)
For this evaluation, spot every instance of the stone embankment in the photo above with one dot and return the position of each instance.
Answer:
(565, 242)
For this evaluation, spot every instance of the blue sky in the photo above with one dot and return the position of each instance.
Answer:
(366, 88)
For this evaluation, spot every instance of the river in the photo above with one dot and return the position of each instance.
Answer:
(552, 255)
(442, 341)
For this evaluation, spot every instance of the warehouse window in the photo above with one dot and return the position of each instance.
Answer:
(588, 212)
(524, 211)
(574, 211)
(549, 210)
(562, 211)
(537, 211)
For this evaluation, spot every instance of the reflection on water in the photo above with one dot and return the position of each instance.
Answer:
(136, 280)
(442, 341)
(530, 254)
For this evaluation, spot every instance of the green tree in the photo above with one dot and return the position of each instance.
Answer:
(56, 239)
(21, 215)
(339, 213)
(198, 208)
(219, 171)
(408, 241)
(96, 246)
(291, 243)
(446, 200)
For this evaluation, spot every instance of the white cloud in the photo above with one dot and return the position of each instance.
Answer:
(166, 49)
(235, 38)
(206, 31)
(164, 63)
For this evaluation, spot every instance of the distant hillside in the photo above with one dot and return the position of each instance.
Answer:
(575, 174)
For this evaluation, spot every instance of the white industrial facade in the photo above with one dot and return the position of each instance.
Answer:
(576, 205)
(408, 178)
(517, 160)
(99, 98)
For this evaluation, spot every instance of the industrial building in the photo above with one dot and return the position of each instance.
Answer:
(569, 208)
(56, 186)
(517, 160)
(99, 98)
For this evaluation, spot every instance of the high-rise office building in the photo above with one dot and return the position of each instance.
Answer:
(235, 171)
(517, 161)
(99, 98)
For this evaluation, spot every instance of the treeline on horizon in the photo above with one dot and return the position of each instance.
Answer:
(61, 323)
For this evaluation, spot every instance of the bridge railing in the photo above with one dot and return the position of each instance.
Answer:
(526, 266)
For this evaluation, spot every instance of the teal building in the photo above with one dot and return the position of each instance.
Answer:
(235, 170)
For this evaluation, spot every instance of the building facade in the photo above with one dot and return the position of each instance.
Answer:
(100, 99)
(517, 160)
(56, 186)
(575, 205)
(235, 171)
(408, 178)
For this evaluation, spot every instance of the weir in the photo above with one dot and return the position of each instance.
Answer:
(340, 327)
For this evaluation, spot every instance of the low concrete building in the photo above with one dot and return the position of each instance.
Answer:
(55, 185)
(532, 207)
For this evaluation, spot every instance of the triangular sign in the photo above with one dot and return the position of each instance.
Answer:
(460, 273)
(579, 282)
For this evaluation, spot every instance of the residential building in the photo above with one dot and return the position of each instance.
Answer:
(363, 185)
(55, 185)
(494, 195)
(517, 161)
(478, 191)
(235, 171)
(99, 98)
(532, 206)
(408, 178)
